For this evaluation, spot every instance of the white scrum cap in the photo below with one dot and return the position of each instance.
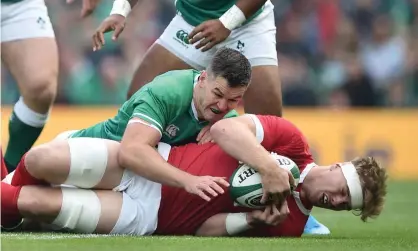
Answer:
(353, 183)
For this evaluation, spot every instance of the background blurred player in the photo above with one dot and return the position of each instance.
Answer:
(197, 31)
(29, 51)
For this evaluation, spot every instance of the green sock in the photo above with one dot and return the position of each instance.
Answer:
(25, 126)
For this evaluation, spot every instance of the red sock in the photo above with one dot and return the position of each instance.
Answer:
(4, 172)
(10, 215)
(9, 196)
(22, 177)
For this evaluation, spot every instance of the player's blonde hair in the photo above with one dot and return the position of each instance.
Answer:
(373, 181)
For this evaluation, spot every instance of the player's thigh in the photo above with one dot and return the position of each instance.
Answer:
(81, 162)
(33, 62)
(29, 51)
(157, 61)
(257, 41)
(265, 82)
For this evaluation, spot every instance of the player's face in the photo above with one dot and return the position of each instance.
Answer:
(331, 190)
(217, 98)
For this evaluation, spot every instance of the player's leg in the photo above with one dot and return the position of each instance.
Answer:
(157, 60)
(265, 82)
(81, 162)
(257, 41)
(170, 52)
(78, 210)
(29, 52)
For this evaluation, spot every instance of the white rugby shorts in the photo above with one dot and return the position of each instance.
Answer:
(256, 40)
(141, 202)
(25, 19)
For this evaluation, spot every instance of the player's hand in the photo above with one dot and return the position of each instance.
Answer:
(208, 34)
(205, 186)
(271, 216)
(276, 185)
(114, 23)
(88, 6)
(204, 135)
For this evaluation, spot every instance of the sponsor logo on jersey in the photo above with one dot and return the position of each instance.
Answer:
(182, 38)
(171, 131)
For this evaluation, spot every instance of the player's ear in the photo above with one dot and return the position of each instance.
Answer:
(202, 78)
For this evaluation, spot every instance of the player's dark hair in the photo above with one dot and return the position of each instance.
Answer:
(232, 66)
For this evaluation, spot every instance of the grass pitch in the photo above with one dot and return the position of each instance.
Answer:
(395, 229)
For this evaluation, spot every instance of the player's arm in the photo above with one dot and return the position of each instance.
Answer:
(212, 32)
(250, 7)
(238, 137)
(114, 22)
(232, 224)
(137, 150)
(220, 225)
(137, 153)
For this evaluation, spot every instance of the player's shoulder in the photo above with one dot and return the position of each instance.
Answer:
(176, 79)
(276, 121)
(174, 87)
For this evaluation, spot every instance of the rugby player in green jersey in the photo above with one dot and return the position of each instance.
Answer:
(197, 31)
(172, 109)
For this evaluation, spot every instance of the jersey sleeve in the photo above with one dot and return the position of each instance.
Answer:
(151, 109)
(282, 137)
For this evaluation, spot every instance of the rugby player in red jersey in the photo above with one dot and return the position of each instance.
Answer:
(342, 186)
(356, 185)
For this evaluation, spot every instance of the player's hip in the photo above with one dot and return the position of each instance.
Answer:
(256, 40)
(24, 20)
(139, 213)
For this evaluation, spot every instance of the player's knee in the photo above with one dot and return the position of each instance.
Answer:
(89, 159)
(41, 89)
(80, 210)
(36, 160)
(35, 203)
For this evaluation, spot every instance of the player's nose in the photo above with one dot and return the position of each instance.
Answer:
(222, 105)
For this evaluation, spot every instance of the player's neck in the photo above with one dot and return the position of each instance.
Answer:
(196, 104)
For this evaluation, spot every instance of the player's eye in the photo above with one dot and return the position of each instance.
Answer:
(218, 95)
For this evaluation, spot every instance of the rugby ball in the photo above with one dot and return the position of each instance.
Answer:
(246, 188)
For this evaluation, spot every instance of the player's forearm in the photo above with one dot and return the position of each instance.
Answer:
(250, 7)
(225, 224)
(239, 141)
(145, 161)
(239, 12)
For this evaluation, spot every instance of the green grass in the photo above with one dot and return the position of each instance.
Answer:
(395, 229)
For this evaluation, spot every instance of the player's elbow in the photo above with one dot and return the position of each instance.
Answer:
(219, 129)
